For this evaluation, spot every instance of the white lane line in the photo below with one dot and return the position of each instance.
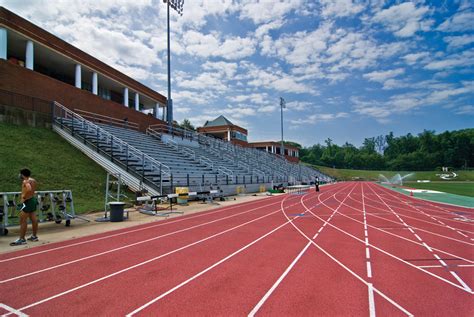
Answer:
(461, 281)
(401, 237)
(206, 270)
(411, 230)
(144, 262)
(424, 213)
(217, 263)
(279, 280)
(440, 266)
(461, 233)
(466, 287)
(394, 256)
(12, 311)
(139, 229)
(367, 253)
(345, 267)
(428, 247)
(366, 241)
(371, 300)
(369, 269)
(124, 247)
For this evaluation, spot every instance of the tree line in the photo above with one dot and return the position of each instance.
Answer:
(425, 151)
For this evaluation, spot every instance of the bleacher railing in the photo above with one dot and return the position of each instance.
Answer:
(98, 118)
(78, 126)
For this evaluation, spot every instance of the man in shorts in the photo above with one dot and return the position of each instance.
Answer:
(27, 207)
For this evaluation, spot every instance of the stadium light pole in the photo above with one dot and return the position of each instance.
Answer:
(282, 105)
(177, 5)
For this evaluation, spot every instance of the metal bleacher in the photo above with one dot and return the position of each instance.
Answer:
(162, 159)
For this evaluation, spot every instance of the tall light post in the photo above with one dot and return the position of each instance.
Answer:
(177, 5)
(282, 105)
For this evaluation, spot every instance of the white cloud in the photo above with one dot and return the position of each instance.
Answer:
(340, 8)
(465, 110)
(211, 45)
(464, 59)
(265, 11)
(382, 76)
(413, 58)
(404, 19)
(320, 117)
(459, 41)
(459, 22)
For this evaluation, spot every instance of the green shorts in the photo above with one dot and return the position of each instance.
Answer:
(30, 205)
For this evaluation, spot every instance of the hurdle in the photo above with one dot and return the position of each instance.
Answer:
(152, 202)
(53, 205)
(297, 189)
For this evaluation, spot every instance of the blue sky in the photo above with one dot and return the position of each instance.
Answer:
(347, 69)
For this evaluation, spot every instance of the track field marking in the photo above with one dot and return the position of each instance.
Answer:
(126, 246)
(12, 310)
(164, 223)
(394, 256)
(219, 262)
(406, 239)
(464, 285)
(146, 262)
(295, 260)
(143, 262)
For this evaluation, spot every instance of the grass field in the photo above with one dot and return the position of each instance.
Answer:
(54, 163)
(458, 188)
(346, 174)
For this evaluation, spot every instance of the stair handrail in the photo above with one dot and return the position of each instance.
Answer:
(164, 169)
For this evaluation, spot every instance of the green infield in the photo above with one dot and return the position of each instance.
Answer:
(347, 174)
(54, 163)
(458, 188)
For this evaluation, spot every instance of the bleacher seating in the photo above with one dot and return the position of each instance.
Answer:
(160, 156)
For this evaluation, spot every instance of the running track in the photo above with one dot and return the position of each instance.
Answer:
(353, 249)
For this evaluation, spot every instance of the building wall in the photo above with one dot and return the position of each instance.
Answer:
(37, 34)
(19, 86)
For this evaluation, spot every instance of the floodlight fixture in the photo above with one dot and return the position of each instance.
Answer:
(178, 6)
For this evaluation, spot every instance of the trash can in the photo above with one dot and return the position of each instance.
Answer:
(182, 199)
(116, 211)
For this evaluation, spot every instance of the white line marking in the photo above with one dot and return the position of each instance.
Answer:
(418, 237)
(369, 269)
(367, 253)
(461, 233)
(461, 281)
(137, 230)
(280, 279)
(428, 247)
(12, 311)
(367, 241)
(411, 230)
(206, 270)
(141, 263)
(371, 300)
(320, 229)
(123, 247)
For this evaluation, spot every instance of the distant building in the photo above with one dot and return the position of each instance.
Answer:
(222, 128)
(291, 152)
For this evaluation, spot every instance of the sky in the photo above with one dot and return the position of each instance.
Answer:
(346, 69)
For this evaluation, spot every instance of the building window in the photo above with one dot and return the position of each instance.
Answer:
(104, 93)
(239, 136)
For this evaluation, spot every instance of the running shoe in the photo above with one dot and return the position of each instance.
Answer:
(18, 242)
(33, 238)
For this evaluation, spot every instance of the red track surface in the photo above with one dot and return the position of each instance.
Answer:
(352, 249)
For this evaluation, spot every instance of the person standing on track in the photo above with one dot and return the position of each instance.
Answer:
(27, 207)
(316, 184)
